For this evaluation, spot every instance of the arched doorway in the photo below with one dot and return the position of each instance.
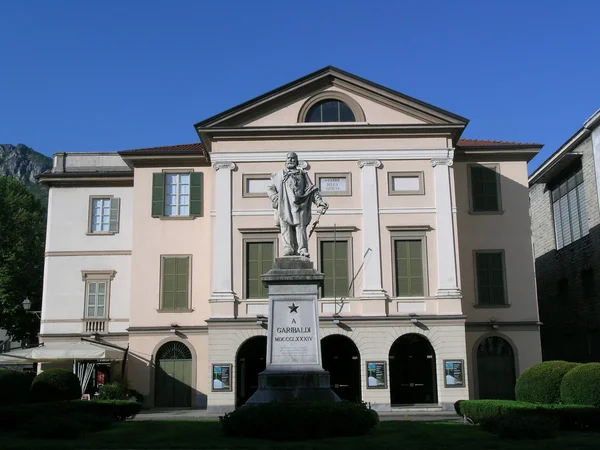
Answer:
(412, 371)
(496, 369)
(173, 380)
(251, 360)
(342, 360)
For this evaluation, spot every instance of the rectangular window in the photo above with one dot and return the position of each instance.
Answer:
(255, 184)
(96, 299)
(409, 272)
(259, 260)
(177, 194)
(563, 291)
(588, 283)
(489, 266)
(175, 282)
(485, 188)
(405, 183)
(335, 267)
(104, 215)
(569, 207)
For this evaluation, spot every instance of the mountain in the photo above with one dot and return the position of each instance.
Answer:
(24, 164)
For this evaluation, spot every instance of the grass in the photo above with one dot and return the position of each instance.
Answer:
(207, 435)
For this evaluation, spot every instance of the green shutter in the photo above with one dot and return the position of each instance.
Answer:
(484, 189)
(196, 193)
(490, 278)
(158, 194)
(115, 204)
(175, 282)
(410, 280)
(259, 260)
(334, 265)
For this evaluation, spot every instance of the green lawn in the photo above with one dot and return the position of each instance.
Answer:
(389, 435)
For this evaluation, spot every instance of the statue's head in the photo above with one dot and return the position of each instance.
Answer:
(291, 160)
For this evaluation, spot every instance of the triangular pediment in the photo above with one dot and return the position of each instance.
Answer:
(282, 107)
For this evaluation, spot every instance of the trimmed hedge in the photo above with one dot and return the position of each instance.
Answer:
(14, 386)
(92, 413)
(582, 385)
(541, 383)
(297, 420)
(55, 385)
(488, 413)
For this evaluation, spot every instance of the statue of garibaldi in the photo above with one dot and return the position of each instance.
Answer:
(292, 194)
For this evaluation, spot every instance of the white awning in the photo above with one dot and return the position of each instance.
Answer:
(62, 351)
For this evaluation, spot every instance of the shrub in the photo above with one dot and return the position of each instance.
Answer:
(113, 391)
(55, 385)
(14, 387)
(299, 420)
(513, 425)
(581, 386)
(541, 383)
(54, 427)
(457, 406)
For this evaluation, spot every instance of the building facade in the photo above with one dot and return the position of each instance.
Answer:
(429, 293)
(565, 217)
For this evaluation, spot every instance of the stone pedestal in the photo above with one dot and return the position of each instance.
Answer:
(294, 370)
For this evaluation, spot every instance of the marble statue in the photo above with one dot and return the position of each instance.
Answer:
(292, 194)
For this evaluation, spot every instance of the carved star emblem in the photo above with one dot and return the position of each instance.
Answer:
(293, 308)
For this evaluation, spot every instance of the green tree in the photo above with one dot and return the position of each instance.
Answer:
(22, 237)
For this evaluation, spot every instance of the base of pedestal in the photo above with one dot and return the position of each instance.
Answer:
(285, 386)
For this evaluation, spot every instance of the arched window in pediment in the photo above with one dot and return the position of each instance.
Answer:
(331, 107)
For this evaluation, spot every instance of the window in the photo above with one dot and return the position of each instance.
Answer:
(485, 188)
(175, 282)
(259, 260)
(104, 215)
(335, 266)
(255, 185)
(330, 111)
(563, 291)
(489, 268)
(177, 194)
(334, 183)
(588, 283)
(569, 207)
(405, 183)
(409, 273)
(97, 292)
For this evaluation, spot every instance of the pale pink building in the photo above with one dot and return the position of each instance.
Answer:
(429, 292)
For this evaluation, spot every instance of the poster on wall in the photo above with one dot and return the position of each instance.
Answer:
(454, 373)
(221, 377)
(376, 375)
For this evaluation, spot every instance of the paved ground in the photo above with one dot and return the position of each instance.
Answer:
(201, 414)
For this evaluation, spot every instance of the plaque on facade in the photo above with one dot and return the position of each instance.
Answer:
(454, 373)
(221, 377)
(333, 183)
(376, 375)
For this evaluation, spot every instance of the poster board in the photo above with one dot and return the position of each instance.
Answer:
(454, 373)
(221, 377)
(376, 375)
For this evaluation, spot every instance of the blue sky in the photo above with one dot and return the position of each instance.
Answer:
(114, 75)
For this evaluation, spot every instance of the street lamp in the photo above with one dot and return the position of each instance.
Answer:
(27, 306)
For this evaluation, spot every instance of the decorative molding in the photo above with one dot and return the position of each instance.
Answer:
(89, 253)
(259, 230)
(423, 210)
(259, 155)
(409, 228)
(369, 162)
(228, 165)
(441, 162)
(98, 275)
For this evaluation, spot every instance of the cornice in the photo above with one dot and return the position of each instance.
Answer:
(441, 162)
(227, 165)
(369, 163)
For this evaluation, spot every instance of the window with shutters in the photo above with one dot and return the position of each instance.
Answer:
(335, 266)
(177, 194)
(490, 278)
(409, 268)
(97, 293)
(175, 283)
(259, 260)
(569, 209)
(484, 182)
(103, 215)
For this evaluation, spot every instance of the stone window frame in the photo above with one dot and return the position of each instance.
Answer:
(253, 176)
(476, 304)
(179, 171)
(189, 308)
(417, 233)
(496, 168)
(347, 175)
(97, 276)
(354, 106)
(419, 175)
(327, 234)
(256, 235)
(89, 231)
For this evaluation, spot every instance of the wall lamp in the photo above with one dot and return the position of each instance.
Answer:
(173, 328)
(493, 324)
(261, 320)
(336, 319)
(27, 306)
(413, 318)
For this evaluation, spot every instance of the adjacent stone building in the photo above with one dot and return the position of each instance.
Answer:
(566, 220)
(429, 292)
